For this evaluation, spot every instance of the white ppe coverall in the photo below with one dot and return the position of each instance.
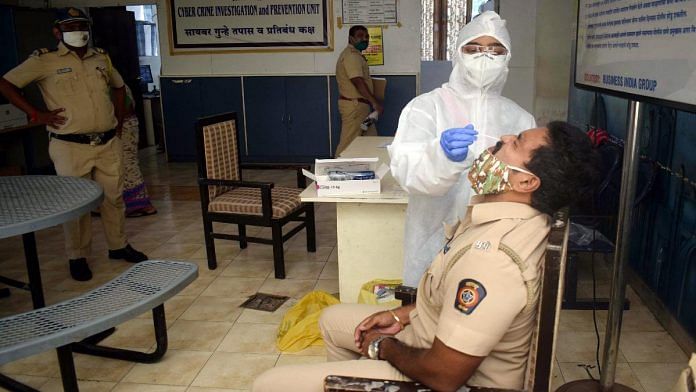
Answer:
(438, 188)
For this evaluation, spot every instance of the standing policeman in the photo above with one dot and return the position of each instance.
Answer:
(75, 83)
(355, 89)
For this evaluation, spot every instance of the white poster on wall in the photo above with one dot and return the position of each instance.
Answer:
(250, 24)
(369, 12)
(640, 49)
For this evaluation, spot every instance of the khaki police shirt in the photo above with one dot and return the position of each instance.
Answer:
(480, 301)
(80, 86)
(351, 64)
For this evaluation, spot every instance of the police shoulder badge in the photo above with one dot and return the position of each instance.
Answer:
(470, 293)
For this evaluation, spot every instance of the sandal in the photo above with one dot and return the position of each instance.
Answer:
(141, 212)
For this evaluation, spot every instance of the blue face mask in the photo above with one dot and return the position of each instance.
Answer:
(362, 45)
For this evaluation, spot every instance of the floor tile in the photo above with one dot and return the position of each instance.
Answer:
(35, 382)
(224, 286)
(328, 285)
(132, 387)
(650, 347)
(43, 365)
(295, 288)
(251, 338)
(233, 370)
(56, 385)
(89, 367)
(330, 271)
(173, 308)
(197, 335)
(657, 377)
(303, 270)
(214, 309)
(176, 368)
(134, 334)
(579, 347)
(249, 268)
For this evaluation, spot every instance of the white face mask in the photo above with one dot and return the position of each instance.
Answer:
(76, 39)
(482, 69)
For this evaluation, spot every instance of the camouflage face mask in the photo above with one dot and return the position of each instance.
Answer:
(490, 176)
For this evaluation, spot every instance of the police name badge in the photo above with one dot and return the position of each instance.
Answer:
(64, 70)
(469, 294)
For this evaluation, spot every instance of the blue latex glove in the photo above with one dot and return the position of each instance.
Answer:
(455, 142)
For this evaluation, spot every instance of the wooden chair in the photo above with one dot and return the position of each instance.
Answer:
(226, 198)
(542, 349)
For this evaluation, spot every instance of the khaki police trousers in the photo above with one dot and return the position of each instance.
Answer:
(103, 164)
(337, 325)
(352, 115)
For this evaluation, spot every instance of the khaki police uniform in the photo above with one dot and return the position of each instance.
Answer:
(352, 106)
(82, 88)
(478, 297)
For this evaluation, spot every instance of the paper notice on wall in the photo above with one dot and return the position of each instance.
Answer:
(374, 54)
(364, 12)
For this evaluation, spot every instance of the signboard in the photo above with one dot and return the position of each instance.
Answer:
(250, 24)
(374, 54)
(363, 12)
(641, 50)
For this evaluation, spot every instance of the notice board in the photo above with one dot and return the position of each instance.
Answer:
(265, 25)
(640, 50)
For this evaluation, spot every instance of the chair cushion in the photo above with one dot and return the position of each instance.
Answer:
(247, 201)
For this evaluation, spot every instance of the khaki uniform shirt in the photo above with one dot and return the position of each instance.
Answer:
(80, 86)
(351, 64)
(480, 294)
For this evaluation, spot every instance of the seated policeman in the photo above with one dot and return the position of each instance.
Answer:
(476, 308)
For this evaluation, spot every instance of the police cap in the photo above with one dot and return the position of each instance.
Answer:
(71, 14)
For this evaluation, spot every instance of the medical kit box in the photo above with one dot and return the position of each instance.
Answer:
(328, 187)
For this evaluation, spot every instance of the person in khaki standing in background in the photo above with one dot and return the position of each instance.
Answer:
(356, 93)
(75, 83)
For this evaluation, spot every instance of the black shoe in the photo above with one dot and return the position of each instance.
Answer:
(79, 270)
(128, 253)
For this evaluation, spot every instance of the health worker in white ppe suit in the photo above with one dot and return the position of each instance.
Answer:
(440, 133)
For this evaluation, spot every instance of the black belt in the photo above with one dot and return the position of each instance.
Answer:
(363, 100)
(93, 139)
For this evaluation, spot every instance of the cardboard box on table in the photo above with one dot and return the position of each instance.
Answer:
(327, 187)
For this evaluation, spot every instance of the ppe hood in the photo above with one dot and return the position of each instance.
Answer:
(487, 23)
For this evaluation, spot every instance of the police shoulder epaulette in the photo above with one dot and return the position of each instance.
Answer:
(39, 52)
(100, 51)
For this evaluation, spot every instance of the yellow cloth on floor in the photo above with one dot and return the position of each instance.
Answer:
(300, 326)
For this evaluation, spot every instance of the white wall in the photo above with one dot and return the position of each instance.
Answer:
(401, 52)
(553, 71)
(401, 47)
(521, 21)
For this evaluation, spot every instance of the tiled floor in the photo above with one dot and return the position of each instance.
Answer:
(217, 346)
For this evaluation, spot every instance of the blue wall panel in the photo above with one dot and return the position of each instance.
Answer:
(308, 123)
(663, 249)
(8, 43)
(181, 106)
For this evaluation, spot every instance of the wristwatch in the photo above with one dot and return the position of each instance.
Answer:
(373, 348)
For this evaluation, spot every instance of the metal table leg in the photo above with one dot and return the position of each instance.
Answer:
(32, 259)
